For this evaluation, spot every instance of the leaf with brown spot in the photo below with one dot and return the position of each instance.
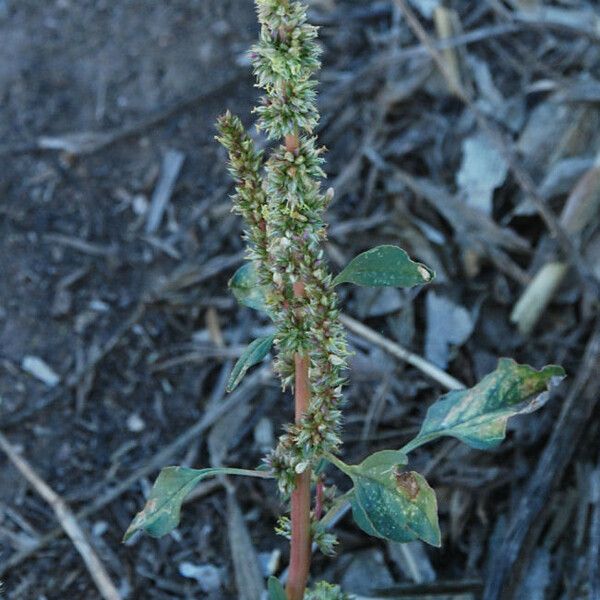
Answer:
(408, 483)
(394, 505)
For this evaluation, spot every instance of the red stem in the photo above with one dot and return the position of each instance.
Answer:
(300, 546)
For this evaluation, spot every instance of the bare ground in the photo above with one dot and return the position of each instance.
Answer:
(139, 331)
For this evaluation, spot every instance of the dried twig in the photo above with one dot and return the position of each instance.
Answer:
(447, 24)
(81, 245)
(171, 166)
(579, 210)
(67, 520)
(89, 142)
(398, 351)
(187, 275)
(594, 543)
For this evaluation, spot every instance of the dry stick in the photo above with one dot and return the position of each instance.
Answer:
(171, 166)
(395, 349)
(522, 177)
(67, 520)
(243, 393)
(446, 21)
(577, 409)
(594, 537)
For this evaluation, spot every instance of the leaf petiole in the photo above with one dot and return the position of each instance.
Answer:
(416, 442)
(340, 464)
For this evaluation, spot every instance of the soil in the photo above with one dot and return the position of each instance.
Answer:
(136, 324)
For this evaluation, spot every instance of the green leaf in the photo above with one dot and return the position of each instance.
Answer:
(163, 508)
(276, 591)
(392, 504)
(251, 356)
(246, 287)
(478, 416)
(385, 266)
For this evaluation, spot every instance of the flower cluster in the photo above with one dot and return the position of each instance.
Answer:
(245, 164)
(326, 542)
(284, 61)
(326, 591)
(283, 208)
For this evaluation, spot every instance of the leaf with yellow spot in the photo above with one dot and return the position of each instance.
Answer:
(478, 416)
(390, 503)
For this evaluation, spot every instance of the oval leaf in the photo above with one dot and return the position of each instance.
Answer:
(252, 355)
(392, 504)
(385, 266)
(478, 416)
(276, 591)
(163, 508)
(246, 287)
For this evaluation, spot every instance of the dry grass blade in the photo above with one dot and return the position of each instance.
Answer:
(447, 25)
(248, 578)
(582, 205)
(172, 163)
(594, 544)
(244, 393)
(90, 142)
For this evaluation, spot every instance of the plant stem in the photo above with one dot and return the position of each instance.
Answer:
(300, 546)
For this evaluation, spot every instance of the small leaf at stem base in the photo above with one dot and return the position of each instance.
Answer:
(246, 287)
(276, 591)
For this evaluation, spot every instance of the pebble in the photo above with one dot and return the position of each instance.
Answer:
(36, 367)
(208, 576)
(135, 423)
(367, 572)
